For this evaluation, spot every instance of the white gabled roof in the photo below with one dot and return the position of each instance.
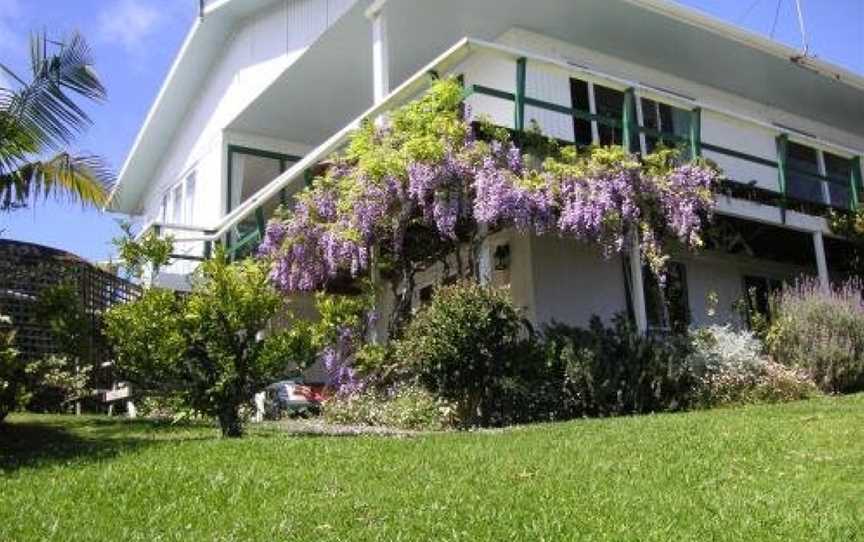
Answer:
(189, 70)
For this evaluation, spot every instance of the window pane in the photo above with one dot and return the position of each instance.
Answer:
(803, 173)
(758, 292)
(668, 308)
(250, 172)
(839, 173)
(579, 99)
(190, 198)
(665, 119)
(611, 104)
(177, 204)
(163, 208)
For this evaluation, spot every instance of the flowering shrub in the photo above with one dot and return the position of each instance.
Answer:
(421, 185)
(406, 407)
(729, 368)
(822, 332)
(608, 371)
(462, 344)
(12, 393)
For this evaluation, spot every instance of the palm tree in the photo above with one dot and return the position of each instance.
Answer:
(39, 118)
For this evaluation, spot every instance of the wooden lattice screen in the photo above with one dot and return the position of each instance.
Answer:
(27, 269)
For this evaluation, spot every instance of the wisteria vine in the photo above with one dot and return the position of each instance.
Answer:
(426, 184)
(428, 167)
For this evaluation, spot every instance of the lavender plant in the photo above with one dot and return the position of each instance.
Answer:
(821, 331)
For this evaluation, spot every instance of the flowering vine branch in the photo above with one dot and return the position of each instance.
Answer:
(419, 188)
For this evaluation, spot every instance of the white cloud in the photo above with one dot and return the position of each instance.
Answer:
(128, 23)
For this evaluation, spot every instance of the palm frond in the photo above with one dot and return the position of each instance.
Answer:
(45, 106)
(83, 178)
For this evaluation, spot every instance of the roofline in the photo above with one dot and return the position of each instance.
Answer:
(154, 108)
(754, 40)
(410, 87)
(667, 8)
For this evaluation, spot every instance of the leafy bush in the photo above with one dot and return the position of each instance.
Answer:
(462, 344)
(613, 370)
(54, 381)
(729, 368)
(12, 373)
(207, 346)
(822, 332)
(407, 407)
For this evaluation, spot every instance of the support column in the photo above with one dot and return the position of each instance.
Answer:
(637, 293)
(821, 262)
(380, 51)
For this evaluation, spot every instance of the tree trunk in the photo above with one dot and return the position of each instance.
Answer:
(229, 421)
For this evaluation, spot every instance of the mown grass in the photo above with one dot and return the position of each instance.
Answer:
(790, 472)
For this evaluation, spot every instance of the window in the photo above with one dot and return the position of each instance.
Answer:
(758, 292)
(579, 95)
(665, 119)
(177, 204)
(189, 199)
(610, 103)
(839, 173)
(249, 171)
(163, 208)
(667, 306)
(803, 177)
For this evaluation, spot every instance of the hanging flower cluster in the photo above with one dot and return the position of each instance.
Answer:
(427, 167)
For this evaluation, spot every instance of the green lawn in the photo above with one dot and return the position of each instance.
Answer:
(791, 472)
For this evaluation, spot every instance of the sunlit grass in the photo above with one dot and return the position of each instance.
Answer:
(790, 472)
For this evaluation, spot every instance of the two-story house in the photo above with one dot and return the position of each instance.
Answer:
(263, 91)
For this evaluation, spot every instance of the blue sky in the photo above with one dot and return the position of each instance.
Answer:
(134, 42)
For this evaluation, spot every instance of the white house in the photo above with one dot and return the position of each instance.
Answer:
(263, 90)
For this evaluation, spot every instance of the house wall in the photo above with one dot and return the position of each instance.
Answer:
(551, 84)
(261, 48)
(572, 282)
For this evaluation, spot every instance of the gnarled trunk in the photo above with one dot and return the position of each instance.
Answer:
(230, 422)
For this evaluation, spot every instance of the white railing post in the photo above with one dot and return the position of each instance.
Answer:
(380, 51)
(637, 293)
(821, 261)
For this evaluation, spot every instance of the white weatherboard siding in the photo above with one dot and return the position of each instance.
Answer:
(261, 49)
(573, 282)
(549, 47)
(552, 84)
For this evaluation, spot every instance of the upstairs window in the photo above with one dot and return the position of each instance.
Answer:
(838, 170)
(189, 200)
(177, 204)
(581, 100)
(665, 119)
(802, 173)
(610, 103)
(163, 208)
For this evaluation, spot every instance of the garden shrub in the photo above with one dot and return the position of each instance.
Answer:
(822, 332)
(614, 370)
(208, 346)
(408, 407)
(462, 344)
(12, 371)
(730, 368)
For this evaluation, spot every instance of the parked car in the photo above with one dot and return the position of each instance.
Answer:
(292, 397)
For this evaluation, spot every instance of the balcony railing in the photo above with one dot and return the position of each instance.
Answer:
(241, 244)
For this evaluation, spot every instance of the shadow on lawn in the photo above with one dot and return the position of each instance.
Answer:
(37, 444)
